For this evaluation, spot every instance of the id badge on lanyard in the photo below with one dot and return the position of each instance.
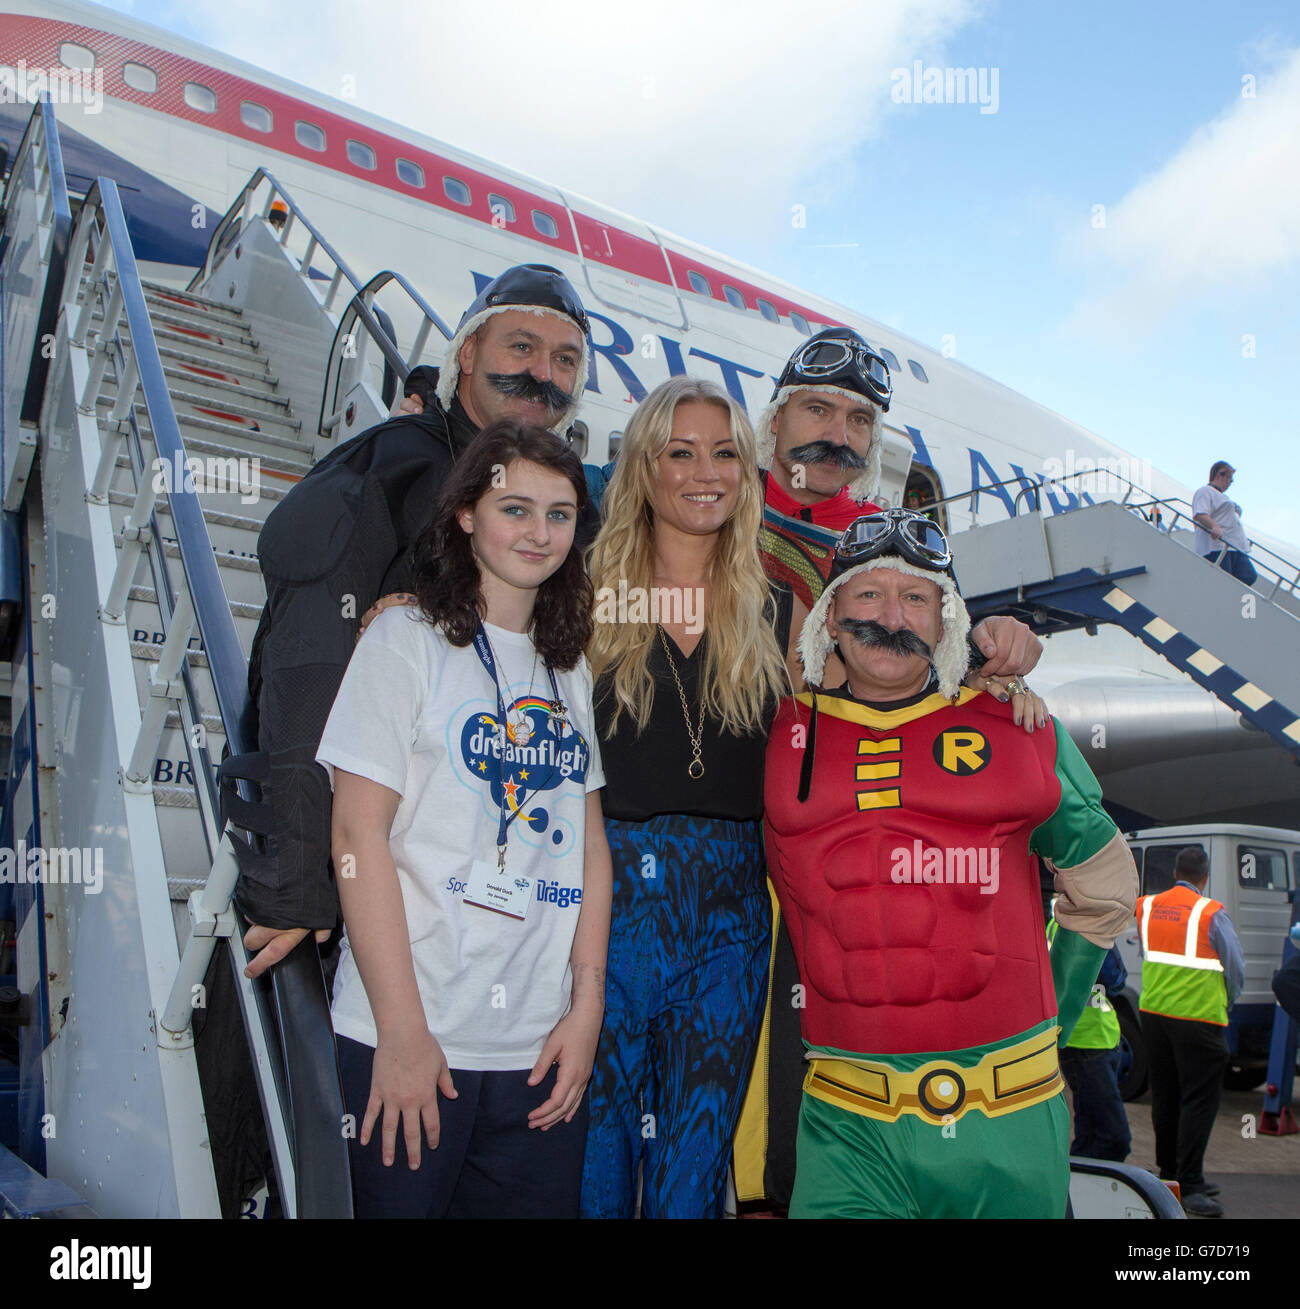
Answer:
(492, 887)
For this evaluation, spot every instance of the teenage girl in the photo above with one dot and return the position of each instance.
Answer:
(469, 847)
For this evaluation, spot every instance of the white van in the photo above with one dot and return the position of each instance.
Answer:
(1251, 871)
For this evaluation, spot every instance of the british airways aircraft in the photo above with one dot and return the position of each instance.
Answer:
(181, 128)
(1177, 729)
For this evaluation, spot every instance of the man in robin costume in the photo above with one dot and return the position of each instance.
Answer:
(902, 811)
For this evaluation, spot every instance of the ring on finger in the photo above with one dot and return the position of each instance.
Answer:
(1015, 686)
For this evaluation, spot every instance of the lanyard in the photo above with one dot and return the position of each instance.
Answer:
(483, 648)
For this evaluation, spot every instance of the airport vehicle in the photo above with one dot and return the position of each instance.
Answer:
(214, 277)
(1252, 872)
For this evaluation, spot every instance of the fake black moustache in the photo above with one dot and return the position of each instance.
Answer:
(866, 631)
(524, 386)
(843, 457)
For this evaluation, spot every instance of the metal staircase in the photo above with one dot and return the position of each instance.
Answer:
(158, 428)
(139, 593)
(1108, 564)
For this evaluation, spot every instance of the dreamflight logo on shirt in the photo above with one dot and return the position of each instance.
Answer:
(522, 764)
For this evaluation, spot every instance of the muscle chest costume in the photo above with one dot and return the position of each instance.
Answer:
(912, 900)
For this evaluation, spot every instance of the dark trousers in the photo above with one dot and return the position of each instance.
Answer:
(489, 1163)
(1186, 1061)
(1100, 1123)
(1237, 564)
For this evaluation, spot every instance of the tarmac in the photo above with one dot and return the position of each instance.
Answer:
(1259, 1175)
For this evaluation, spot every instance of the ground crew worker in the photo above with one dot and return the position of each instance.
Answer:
(1192, 971)
(1090, 1062)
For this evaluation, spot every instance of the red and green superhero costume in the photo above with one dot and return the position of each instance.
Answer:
(913, 905)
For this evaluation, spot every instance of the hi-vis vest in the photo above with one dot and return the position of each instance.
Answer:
(1098, 1025)
(1181, 973)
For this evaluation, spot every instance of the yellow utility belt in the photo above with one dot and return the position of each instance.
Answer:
(1012, 1078)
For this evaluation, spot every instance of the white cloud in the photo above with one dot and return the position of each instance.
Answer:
(682, 112)
(1222, 215)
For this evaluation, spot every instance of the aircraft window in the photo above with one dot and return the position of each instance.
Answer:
(72, 55)
(139, 77)
(200, 97)
(699, 283)
(734, 298)
(411, 174)
(891, 359)
(545, 224)
(917, 371)
(768, 310)
(455, 190)
(801, 323)
(309, 135)
(502, 210)
(361, 155)
(256, 116)
(1260, 868)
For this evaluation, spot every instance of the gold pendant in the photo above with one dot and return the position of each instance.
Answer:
(696, 770)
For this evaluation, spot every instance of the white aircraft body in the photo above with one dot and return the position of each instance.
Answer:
(182, 128)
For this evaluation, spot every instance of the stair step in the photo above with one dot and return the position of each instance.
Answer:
(156, 292)
(147, 595)
(236, 443)
(228, 334)
(281, 432)
(257, 400)
(227, 532)
(241, 578)
(272, 489)
(254, 367)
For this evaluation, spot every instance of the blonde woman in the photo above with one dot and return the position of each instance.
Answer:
(689, 666)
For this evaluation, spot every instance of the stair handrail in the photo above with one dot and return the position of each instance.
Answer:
(241, 212)
(1149, 510)
(306, 1109)
(41, 138)
(347, 359)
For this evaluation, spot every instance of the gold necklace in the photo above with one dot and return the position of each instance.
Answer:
(696, 769)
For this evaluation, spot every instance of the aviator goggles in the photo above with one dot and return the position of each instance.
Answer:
(842, 362)
(906, 532)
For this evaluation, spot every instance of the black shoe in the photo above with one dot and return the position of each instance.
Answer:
(1201, 1188)
(1200, 1205)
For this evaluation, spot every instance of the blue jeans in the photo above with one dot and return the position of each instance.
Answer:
(1100, 1123)
(1237, 564)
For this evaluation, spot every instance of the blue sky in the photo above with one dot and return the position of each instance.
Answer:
(714, 120)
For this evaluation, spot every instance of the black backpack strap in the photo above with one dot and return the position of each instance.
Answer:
(783, 613)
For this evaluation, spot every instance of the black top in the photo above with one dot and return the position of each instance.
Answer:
(647, 774)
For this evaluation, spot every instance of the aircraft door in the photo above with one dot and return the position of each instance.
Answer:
(625, 264)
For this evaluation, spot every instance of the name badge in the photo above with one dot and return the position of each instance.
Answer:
(498, 889)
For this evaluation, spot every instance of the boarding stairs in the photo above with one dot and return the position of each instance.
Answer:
(165, 431)
(1109, 563)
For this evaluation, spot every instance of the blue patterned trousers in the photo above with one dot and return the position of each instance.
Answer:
(684, 1001)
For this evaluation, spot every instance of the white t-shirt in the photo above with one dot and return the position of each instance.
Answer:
(418, 715)
(1226, 516)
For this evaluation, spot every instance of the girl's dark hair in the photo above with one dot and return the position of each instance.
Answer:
(447, 582)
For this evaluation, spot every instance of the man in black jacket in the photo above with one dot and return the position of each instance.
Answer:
(341, 539)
